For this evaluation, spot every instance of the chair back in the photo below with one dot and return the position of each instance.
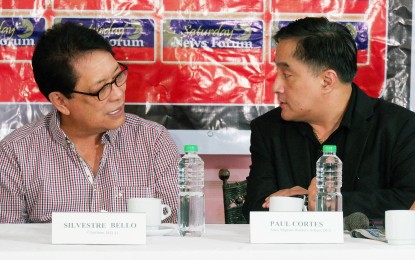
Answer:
(234, 195)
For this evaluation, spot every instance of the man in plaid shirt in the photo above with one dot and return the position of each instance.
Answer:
(87, 154)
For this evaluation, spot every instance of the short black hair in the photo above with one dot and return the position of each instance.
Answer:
(323, 45)
(55, 51)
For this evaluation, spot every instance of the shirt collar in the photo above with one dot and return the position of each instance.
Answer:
(111, 135)
(57, 134)
(346, 120)
(348, 114)
(60, 136)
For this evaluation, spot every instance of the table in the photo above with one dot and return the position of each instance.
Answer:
(221, 241)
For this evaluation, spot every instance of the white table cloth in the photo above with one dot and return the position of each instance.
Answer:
(33, 241)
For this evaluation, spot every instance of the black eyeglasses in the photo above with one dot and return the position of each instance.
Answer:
(105, 91)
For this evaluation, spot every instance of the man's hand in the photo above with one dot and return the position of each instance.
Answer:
(312, 192)
(413, 206)
(296, 190)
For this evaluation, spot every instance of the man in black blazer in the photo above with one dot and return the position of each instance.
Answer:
(316, 62)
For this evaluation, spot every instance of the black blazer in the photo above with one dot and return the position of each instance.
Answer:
(378, 159)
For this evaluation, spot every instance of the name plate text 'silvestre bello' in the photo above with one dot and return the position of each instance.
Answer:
(98, 228)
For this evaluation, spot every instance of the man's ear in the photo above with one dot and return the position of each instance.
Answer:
(329, 80)
(60, 102)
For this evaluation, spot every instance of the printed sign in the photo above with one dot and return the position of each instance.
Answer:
(18, 36)
(132, 39)
(210, 41)
(296, 227)
(98, 228)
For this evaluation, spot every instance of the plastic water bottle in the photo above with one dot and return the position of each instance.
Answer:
(329, 181)
(191, 196)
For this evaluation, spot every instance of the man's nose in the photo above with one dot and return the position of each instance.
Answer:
(278, 86)
(118, 92)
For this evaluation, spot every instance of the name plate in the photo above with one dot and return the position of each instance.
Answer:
(98, 228)
(296, 227)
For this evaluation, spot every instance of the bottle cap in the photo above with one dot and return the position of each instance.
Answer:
(329, 148)
(190, 148)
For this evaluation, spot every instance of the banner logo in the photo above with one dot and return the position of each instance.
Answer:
(18, 32)
(132, 39)
(18, 36)
(231, 41)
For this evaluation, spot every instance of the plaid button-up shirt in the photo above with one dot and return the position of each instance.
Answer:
(41, 172)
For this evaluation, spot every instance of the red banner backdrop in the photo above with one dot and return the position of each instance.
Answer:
(190, 60)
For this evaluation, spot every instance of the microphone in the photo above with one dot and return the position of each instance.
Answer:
(356, 220)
